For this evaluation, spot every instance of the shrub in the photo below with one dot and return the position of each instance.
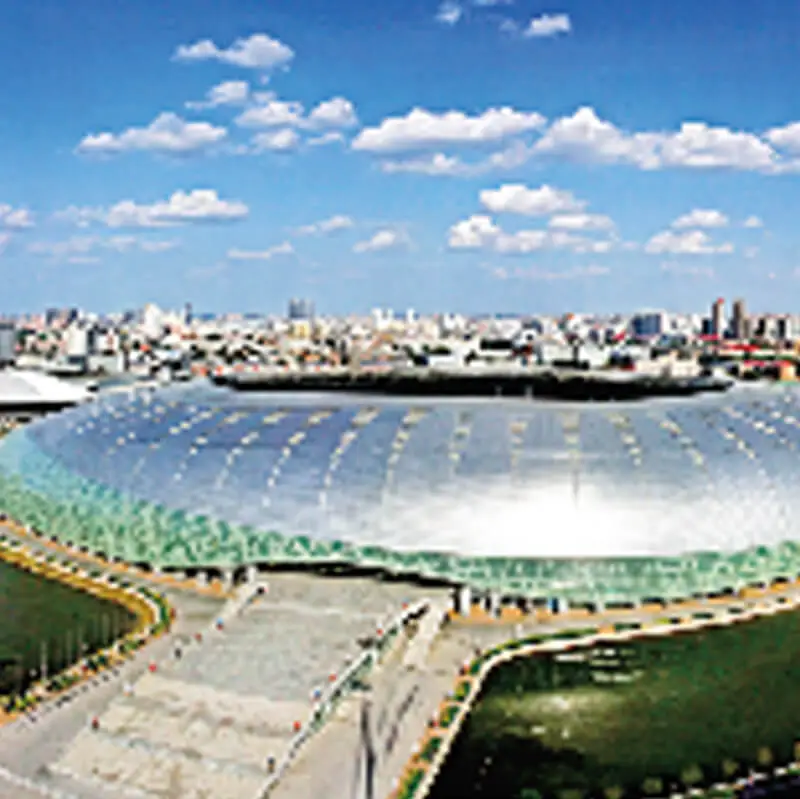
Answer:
(430, 749)
(463, 690)
(765, 757)
(411, 784)
(729, 768)
(652, 786)
(448, 716)
(692, 775)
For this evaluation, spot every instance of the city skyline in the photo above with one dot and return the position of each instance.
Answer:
(474, 156)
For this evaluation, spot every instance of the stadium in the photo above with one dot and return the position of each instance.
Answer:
(552, 502)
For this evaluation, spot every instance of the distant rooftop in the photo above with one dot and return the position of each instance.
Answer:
(30, 388)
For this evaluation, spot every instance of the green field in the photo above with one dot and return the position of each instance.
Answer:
(34, 610)
(642, 717)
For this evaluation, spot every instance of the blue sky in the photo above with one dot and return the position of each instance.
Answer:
(474, 156)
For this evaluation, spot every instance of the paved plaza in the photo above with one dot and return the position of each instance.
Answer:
(290, 640)
(206, 723)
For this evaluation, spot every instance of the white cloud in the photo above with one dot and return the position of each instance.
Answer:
(753, 222)
(786, 137)
(271, 113)
(80, 216)
(515, 198)
(449, 13)
(60, 249)
(690, 242)
(433, 164)
(580, 136)
(576, 273)
(421, 129)
(329, 225)
(79, 249)
(443, 165)
(121, 243)
(584, 136)
(330, 137)
(548, 25)
(167, 133)
(15, 218)
(528, 241)
(700, 146)
(701, 218)
(481, 232)
(5, 238)
(521, 242)
(385, 239)
(258, 51)
(338, 112)
(514, 155)
(278, 141)
(261, 255)
(473, 233)
(230, 92)
(198, 205)
(751, 252)
(583, 245)
(581, 222)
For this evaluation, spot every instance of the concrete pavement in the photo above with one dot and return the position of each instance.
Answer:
(28, 747)
(403, 699)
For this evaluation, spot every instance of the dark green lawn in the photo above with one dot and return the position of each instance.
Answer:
(690, 707)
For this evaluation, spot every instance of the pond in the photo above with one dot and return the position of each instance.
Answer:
(626, 719)
(43, 619)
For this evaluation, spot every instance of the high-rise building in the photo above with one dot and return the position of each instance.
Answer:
(740, 322)
(718, 318)
(784, 329)
(8, 344)
(300, 309)
(649, 324)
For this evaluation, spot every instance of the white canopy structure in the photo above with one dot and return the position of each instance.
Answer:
(34, 391)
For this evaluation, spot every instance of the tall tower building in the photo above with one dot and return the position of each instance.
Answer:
(300, 309)
(718, 318)
(8, 343)
(741, 323)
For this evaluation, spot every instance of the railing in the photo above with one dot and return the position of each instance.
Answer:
(323, 706)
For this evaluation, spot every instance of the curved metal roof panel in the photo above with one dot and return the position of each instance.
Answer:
(609, 501)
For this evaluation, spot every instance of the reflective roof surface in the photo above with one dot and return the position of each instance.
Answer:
(473, 479)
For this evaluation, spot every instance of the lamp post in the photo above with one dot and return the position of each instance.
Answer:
(43, 660)
(367, 754)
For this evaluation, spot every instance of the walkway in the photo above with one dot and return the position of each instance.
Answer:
(403, 699)
(28, 747)
(206, 723)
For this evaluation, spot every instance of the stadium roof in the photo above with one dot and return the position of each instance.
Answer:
(36, 388)
(667, 498)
